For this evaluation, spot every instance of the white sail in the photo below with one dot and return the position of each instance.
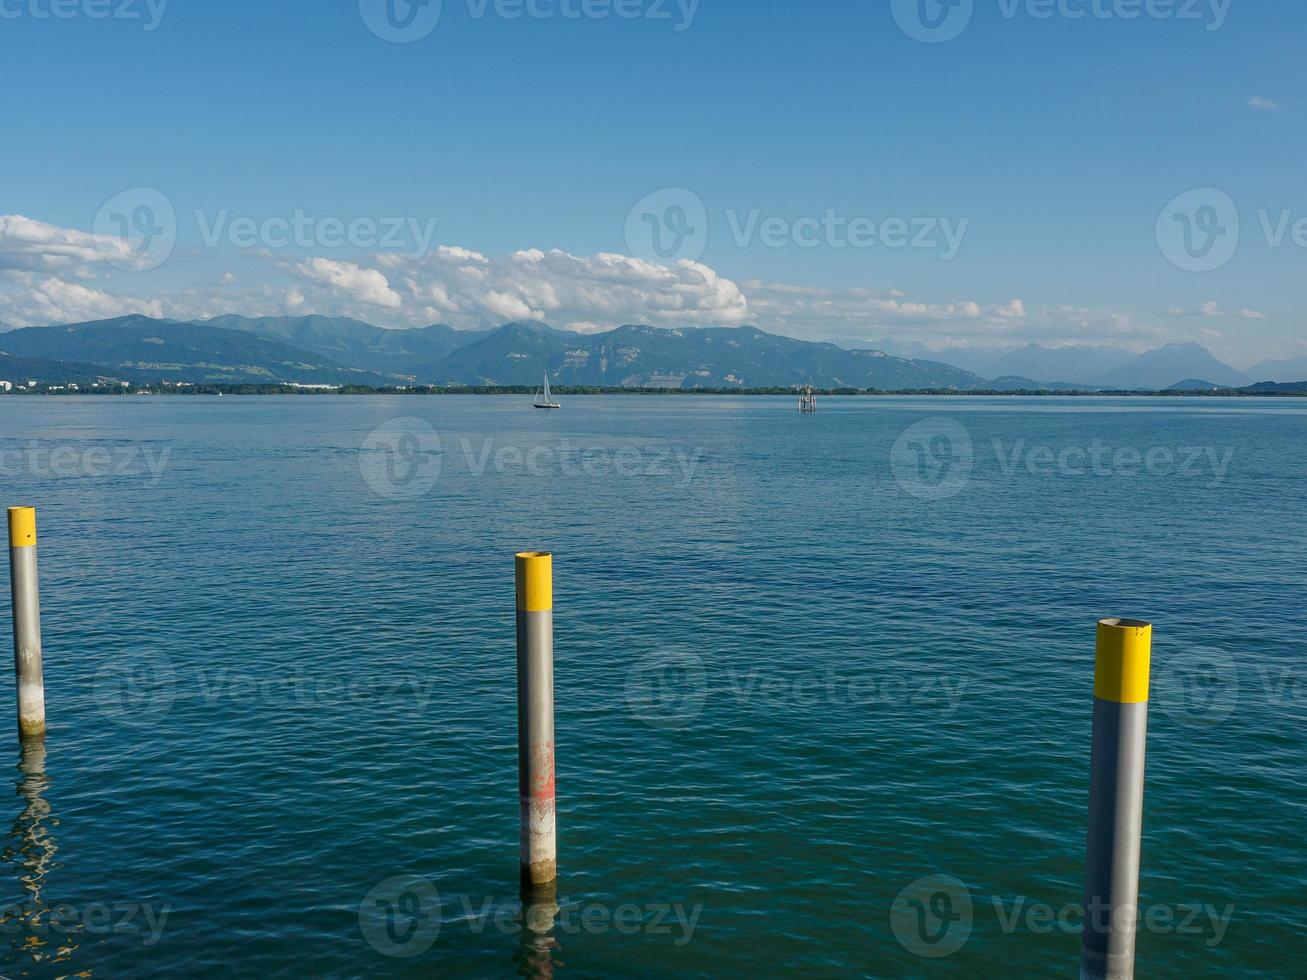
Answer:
(544, 397)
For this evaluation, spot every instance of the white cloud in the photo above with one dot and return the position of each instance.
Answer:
(812, 312)
(35, 246)
(1262, 104)
(49, 275)
(466, 288)
(365, 285)
(50, 299)
(1212, 309)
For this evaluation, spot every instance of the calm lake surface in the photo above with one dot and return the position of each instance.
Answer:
(802, 664)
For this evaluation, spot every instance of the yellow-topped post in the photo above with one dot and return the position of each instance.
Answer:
(24, 587)
(1116, 799)
(535, 718)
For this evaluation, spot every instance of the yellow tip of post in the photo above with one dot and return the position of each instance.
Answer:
(22, 527)
(535, 581)
(1124, 652)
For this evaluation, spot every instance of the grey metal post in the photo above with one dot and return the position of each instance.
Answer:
(28, 670)
(1116, 800)
(535, 718)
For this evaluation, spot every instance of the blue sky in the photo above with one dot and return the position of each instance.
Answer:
(1029, 158)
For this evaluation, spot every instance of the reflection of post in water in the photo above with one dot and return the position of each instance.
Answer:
(536, 941)
(30, 851)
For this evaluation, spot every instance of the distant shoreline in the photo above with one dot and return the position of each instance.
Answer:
(574, 391)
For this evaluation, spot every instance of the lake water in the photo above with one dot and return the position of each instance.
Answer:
(803, 663)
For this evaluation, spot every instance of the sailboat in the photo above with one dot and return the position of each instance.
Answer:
(543, 398)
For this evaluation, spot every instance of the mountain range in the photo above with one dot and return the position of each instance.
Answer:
(1106, 367)
(340, 351)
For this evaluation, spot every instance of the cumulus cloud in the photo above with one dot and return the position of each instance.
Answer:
(1212, 309)
(50, 299)
(466, 288)
(41, 265)
(34, 246)
(814, 312)
(368, 286)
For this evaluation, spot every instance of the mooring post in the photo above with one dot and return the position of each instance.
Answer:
(1116, 799)
(28, 673)
(535, 717)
